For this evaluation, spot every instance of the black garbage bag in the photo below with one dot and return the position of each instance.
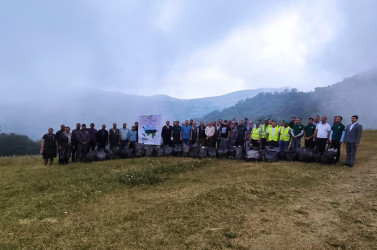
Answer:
(329, 156)
(219, 152)
(149, 150)
(194, 151)
(100, 155)
(125, 152)
(317, 157)
(139, 149)
(305, 154)
(238, 153)
(168, 150)
(272, 154)
(225, 153)
(110, 155)
(290, 155)
(90, 156)
(231, 153)
(202, 152)
(253, 155)
(177, 151)
(185, 150)
(160, 151)
(211, 152)
(116, 150)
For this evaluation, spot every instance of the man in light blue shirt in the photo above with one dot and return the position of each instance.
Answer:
(186, 133)
(125, 134)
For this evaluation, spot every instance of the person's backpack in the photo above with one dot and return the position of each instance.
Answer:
(139, 149)
(149, 150)
(272, 154)
(194, 151)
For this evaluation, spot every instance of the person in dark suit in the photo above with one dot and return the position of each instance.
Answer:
(166, 134)
(352, 140)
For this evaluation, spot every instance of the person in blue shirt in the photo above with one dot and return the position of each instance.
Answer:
(133, 137)
(186, 133)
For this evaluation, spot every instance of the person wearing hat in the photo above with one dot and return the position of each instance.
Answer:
(256, 135)
(297, 132)
(272, 134)
(264, 128)
(284, 136)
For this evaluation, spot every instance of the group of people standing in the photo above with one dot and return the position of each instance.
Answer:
(76, 144)
(316, 134)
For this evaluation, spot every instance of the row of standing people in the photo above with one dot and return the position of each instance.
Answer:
(316, 134)
(76, 144)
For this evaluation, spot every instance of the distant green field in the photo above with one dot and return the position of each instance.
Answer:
(176, 203)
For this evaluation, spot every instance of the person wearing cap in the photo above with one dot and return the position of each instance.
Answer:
(284, 136)
(264, 128)
(256, 135)
(272, 134)
(309, 134)
(297, 132)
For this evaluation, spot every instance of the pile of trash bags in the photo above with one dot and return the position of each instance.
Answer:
(249, 153)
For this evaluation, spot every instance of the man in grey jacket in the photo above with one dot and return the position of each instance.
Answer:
(352, 140)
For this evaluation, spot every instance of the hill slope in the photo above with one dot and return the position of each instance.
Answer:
(354, 95)
(35, 115)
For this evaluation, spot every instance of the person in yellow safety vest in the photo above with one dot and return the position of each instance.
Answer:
(256, 135)
(264, 128)
(272, 135)
(284, 138)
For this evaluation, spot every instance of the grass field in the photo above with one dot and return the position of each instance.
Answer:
(184, 203)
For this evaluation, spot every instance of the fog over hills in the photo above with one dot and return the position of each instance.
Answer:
(352, 96)
(33, 115)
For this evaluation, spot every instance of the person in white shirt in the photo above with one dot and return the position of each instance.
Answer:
(322, 134)
(210, 132)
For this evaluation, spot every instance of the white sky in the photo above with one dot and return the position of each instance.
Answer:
(182, 48)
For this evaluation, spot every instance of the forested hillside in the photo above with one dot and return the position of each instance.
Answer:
(355, 95)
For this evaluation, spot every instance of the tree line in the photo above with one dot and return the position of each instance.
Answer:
(15, 144)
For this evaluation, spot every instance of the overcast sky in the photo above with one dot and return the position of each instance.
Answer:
(182, 48)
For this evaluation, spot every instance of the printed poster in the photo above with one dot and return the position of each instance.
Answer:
(150, 129)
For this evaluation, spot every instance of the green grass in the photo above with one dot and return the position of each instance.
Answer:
(175, 203)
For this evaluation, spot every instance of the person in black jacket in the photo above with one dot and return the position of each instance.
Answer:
(64, 145)
(61, 131)
(102, 137)
(49, 147)
(166, 134)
